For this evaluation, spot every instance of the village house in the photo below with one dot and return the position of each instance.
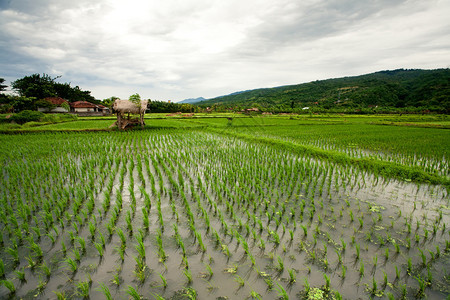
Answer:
(84, 108)
(251, 110)
(55, 105)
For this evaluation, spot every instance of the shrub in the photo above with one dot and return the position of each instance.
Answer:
(33, 124)
(45, 104)
(9, 126)
(27, 116)
(57, 118)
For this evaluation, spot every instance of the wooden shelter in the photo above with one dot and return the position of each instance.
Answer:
(122, 107)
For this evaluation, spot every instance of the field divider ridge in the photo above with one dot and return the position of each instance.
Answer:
(384, 168)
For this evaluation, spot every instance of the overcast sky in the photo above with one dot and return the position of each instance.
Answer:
(177, 49)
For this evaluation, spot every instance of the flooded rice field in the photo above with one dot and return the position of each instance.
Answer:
(194, 215)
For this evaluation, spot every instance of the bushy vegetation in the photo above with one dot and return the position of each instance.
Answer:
(58, 118)
(27, 116)
(42, 86)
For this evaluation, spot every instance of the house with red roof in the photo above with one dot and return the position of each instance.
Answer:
(53, 105)
(88, 109)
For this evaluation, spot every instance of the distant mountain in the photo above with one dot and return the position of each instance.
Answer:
(192, 100)
(397, 88)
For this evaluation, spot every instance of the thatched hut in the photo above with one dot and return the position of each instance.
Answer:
(122, 107)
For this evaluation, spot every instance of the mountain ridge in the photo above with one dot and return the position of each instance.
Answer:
(387, 88)
(191, 100)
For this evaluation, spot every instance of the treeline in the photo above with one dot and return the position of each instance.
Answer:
(389, 91)
(172, 107)
(32, 89)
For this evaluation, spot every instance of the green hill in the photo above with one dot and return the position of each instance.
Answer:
(426, 89)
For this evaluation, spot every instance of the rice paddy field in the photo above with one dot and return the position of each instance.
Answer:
(227, 208)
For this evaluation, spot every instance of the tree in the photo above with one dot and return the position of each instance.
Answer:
(136, 99)
(36, 86)
(109, 102)
(2, 86)
(27, 116)
(45, 104)
(22, 103)
(3, 98)
(45, 86)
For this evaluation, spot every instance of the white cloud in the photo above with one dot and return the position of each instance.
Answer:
(179, 49)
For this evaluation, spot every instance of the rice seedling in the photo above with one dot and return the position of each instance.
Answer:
(262, 244)
(72, 264)
(280, 266)
(305, 230)
(92, 230)
(163, 280)
(129, 224)
(100, 249)
(357, 248)
(82, 289)
(292, 276)
(225, 250)
(343, 244)
(327, 282)
(134, 294)
(188, 276)
(344, 271)
(60, 295)
(282, 294)
(339, 256)
(105, 290)
(423, 257)
(9, 285)
(45, 269)
(397, 273)
(13, 251)
(375, 261)
(239, 280)
(140, 248)
(429, 276)
(422, 285)
(82, 243)
(20, 274)
(122, 237)
(361, 269)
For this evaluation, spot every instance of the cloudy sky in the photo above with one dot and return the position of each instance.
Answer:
(177, 49)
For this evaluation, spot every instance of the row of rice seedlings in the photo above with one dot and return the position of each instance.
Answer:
(395, 245)
(429, 158)
(48, 223)
(232, 202)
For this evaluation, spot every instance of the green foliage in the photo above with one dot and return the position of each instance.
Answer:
(171, 107)
(43, 86)
(45, 104)
(136, 99)
(9, 285)
(399, 89)
(2, 86)
(105, 290)
(35, 86)
(27, 116)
